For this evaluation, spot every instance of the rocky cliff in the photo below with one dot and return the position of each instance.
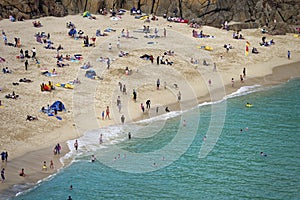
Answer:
(279, 16)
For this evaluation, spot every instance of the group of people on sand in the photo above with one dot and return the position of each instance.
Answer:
(237, 35)
(17, 40)
(195, 34)
(47, 87)
(13, 95)
(37, 24)
(265, 42)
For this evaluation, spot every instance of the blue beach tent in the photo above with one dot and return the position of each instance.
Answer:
(58, 105)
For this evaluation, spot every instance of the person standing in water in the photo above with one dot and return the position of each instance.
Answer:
(93, 158)
(76, 145)
(100, 139)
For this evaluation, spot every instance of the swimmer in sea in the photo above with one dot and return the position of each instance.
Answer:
(184, 123)
(263, 154)
(93, 158)
(204, 138)
(241, 130)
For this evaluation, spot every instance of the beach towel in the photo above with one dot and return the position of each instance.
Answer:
(58, 117)
(49, 74)
(115, 18)
(152, 42)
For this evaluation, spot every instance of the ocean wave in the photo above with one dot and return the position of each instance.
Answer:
(243, 91)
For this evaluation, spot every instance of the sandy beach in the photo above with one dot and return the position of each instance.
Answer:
(30, 143)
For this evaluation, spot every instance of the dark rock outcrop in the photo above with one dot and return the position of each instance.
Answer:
(277, 16)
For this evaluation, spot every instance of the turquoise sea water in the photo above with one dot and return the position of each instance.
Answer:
(234, 169)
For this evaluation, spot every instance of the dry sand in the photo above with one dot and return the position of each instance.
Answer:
(29, 143)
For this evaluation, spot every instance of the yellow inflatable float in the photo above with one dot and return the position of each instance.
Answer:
(67, 86)
(144, 17)
(207, 48)
(248, 105)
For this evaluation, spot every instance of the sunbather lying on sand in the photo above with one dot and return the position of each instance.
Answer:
(31, 118)
(25, 80)
(60, 64)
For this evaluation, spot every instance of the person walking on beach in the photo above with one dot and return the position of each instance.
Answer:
(244, 72)
(157, 60)
(242, 79)
(142, 107)
(2, 175)
(76, 145)
(119, 103)
(124, 89)
(148, 103)
(33, 53)
(232, 82)
(108, 63)
(134, 95)
(215, 67)
(6, 156)
(179, 96)
(289, 54)
(26, 65)
(3, 156)
(120, 86)
(123, 119)
(118, 43)
(209, 82)
(107, 113)
(129, 135)
(165, 32)
(157, 84)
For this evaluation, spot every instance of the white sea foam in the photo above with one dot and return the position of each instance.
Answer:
(244, 91)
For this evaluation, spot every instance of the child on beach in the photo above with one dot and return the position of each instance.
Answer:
(107, 113)
(22, 173)
(51, 164)
(102, 115)
(44, 168)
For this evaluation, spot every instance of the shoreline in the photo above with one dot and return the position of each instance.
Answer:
(33, 169)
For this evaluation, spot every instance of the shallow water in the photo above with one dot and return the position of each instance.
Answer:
(234, 169)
